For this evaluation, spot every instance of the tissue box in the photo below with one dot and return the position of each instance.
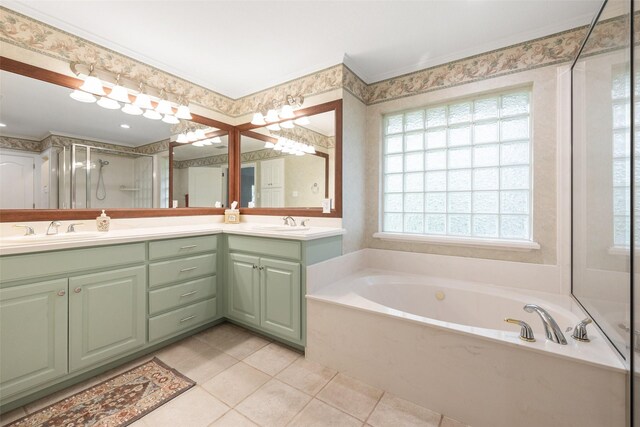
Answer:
(231, 216)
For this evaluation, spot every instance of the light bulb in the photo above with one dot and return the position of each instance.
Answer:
(143, 101)
(81, 96)
(287, 125)
(216, 140)
(119, 93)
(274, 127)
(182, 139)
(183, 113)
(191, 136)
(302, 121)
(109, 104)
(258, 119)
(93, 85)
(172, 120)
(132, 109)
(269, 144)
(200, 134)
(198, 144)
(278, 147)
(152, 114)
(287, 112)
(299, 153)
(164, 107)
(206, 142)
(272, 116)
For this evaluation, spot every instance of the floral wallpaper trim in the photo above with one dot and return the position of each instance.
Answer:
(20, 144)
(307, 136)
(36, 36)
(59, 141)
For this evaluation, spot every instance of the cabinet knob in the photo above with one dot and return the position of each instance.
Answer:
(255, 266)
(77, 290)
(261, 268)
(61, 293)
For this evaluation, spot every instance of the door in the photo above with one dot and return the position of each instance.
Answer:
(17, 170)
(272, 183)
(204, 186)
(244, 291)
(280, 297)
(33, 327)
(107, 315)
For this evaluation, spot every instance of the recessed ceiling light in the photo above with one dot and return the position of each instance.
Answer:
(125, 126)
(2, 125)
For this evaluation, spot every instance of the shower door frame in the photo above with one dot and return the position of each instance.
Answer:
(73, 185)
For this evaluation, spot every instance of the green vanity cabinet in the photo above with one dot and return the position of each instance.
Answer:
(107, 315)
(243, 288)
(33, 327)
(280, 298)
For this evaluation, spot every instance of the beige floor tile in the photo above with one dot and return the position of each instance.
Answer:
(450, 422)
(140, 423)
(193, 408)
(274, 404)
(177, 353)
(307, 376)
(241, 345)
(319, 414)
(234, 384)
(392, 411)
(233, 419)
(202, 368)
(350, 395)
(11, 416)
(219, 333)
(272, 358)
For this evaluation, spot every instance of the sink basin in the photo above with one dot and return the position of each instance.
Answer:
(278, 228)
(43, 238)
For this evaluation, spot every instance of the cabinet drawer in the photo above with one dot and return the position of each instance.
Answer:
(180, 320)
(273, 247)
(180, 247)
(162, 273)
(18, 267)
(184, 293)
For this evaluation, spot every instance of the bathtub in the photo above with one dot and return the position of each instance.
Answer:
(442, 343)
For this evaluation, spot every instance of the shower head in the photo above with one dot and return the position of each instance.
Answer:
(103, 162)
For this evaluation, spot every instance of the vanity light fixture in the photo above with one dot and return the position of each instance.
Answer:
(183, 112)
(276, 110)
(200, 134)
(143, 100)
(172, 120)
(274, 127)
(272, 116)
(182, 139)
(290, 147)
(108, 103)
(258, 119)
(92, 84)
(164, 107)
(81, 96)
(132, 110)
(216, 140)
(191, 136)
(287, 125)
(119, 93)
(152, 115)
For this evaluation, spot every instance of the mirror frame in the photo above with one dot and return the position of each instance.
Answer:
(14, 215)
(336, 211)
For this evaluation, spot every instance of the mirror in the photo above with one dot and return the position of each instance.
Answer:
(290, 165)
(199, 172)
(601, 182)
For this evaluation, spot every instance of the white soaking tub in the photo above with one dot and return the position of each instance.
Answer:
(443, 343)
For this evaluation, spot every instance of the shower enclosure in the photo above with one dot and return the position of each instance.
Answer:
(92, 177)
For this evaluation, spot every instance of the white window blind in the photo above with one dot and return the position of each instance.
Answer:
(461, 169)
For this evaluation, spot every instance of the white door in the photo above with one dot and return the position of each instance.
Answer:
(205, 186)
(16, 176)
(272, 183)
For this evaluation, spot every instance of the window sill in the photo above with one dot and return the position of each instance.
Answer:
(459, 241)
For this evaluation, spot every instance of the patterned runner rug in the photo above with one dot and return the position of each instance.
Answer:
(116, 402)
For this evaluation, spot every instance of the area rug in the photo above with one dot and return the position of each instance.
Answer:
(116, 402)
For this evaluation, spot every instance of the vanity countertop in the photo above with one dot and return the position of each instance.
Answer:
(16, 244)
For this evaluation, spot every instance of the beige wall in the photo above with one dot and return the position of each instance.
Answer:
(543, 83)
(300, 174)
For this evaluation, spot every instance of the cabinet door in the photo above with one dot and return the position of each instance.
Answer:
(107, 315)
(33, 327)
(243, 289)
(280, 297)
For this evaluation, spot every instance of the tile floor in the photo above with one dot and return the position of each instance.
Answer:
(246, 380)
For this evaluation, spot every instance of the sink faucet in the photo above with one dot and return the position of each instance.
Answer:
(551, 328)
(54, 225)
(288, 220)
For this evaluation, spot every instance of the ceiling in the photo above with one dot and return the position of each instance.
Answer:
(32, 109)
(239, 47)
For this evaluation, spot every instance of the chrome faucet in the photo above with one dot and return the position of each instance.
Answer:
(28, 230)
(54, 225)
(288, 220)
(551, 328)
(72, 227)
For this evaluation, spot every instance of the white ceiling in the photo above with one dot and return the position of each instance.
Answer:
(240, 47)
(33, 109)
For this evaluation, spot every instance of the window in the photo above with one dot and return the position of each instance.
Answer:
(461, 169)
(620, 101)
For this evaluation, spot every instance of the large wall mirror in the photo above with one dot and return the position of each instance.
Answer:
(290, 166)
(601, 168)
(58, 154)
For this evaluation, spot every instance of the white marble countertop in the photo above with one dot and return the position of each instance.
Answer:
(17, 244)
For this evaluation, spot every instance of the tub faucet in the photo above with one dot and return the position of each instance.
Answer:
(53, 228)
(551, 328)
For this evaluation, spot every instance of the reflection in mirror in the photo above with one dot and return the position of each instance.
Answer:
(601, 190)
(200, 171)
(289, 167)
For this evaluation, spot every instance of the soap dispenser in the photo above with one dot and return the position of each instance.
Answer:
(103, 222)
